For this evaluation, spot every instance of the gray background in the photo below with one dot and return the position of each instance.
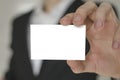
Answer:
(8, 10)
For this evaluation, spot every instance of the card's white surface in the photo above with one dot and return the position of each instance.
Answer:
(57, 42)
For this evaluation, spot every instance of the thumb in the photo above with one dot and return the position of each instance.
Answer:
(82, 66)
(76, 66)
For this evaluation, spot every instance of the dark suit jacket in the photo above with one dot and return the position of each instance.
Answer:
(20, 66)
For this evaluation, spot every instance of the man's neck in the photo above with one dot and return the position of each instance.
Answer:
(50, 4)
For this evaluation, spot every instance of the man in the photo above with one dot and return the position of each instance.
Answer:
(103, 30)
(21, 67)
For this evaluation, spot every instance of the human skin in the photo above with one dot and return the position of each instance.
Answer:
(102, 29)
(50, 4)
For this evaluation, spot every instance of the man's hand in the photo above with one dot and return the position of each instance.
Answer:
(102, 25)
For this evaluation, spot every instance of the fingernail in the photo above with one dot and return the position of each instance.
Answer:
(77, 18)
(99, 24)
(116, 45)
(77, 21)
(64, 21)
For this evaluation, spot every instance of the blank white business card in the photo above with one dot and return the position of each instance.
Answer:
(57, 42)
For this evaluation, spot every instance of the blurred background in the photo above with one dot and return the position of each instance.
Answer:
(9, 9)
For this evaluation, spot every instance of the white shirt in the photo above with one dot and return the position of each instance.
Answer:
(40, 17)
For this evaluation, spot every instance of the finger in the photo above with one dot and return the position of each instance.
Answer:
(102, 13)
(80, 66)
(76, 66)
(83, 66)
(67, 19)
(83, 12)
(116, 41)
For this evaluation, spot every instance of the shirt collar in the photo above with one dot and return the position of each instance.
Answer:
(63, 5)
(40, 17)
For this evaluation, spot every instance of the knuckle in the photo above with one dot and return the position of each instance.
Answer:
(106, 5)
(81, 11)
(69, 15)
(80, 8)
(100, 17)
(103, 10)
(89, 5)
(93, 4)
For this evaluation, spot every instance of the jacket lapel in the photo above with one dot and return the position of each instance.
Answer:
(24, 30)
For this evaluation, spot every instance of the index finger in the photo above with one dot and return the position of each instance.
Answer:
(83, 12)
